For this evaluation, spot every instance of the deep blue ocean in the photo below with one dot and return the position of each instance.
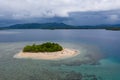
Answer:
(99, 57)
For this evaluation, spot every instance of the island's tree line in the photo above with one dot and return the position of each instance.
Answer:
(45, 47)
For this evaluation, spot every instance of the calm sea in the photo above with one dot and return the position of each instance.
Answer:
(99, 57)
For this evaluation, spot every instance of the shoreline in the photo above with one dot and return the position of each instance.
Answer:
(65, 53)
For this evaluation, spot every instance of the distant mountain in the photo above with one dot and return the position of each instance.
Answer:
(41, 26)
(59, 26)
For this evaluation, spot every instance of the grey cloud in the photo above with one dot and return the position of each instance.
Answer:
(20, 9)
(77, 12)
(94, 17)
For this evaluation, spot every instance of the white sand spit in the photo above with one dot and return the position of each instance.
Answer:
(65, 53)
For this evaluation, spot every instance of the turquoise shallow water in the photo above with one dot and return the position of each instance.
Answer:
(99, 57)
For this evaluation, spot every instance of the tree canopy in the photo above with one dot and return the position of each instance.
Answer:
(45, 47)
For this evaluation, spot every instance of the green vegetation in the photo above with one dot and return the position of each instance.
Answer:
(53, 26)
(45, 47)
(113, 28)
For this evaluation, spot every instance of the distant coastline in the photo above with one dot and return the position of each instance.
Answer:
(53, 26)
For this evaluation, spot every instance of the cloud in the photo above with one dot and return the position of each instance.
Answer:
(94, 17)
(113, 17)
(25, 9)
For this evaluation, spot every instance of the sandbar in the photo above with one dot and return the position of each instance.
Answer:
(65, 53)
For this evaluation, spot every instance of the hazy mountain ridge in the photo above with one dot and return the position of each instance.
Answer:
(59, 26)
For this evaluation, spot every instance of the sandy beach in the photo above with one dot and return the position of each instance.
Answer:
(65, 53)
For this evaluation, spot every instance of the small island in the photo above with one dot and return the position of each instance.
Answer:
(48, 51)
(45, 47)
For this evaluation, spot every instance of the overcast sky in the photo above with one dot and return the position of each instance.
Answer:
(75, 12)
